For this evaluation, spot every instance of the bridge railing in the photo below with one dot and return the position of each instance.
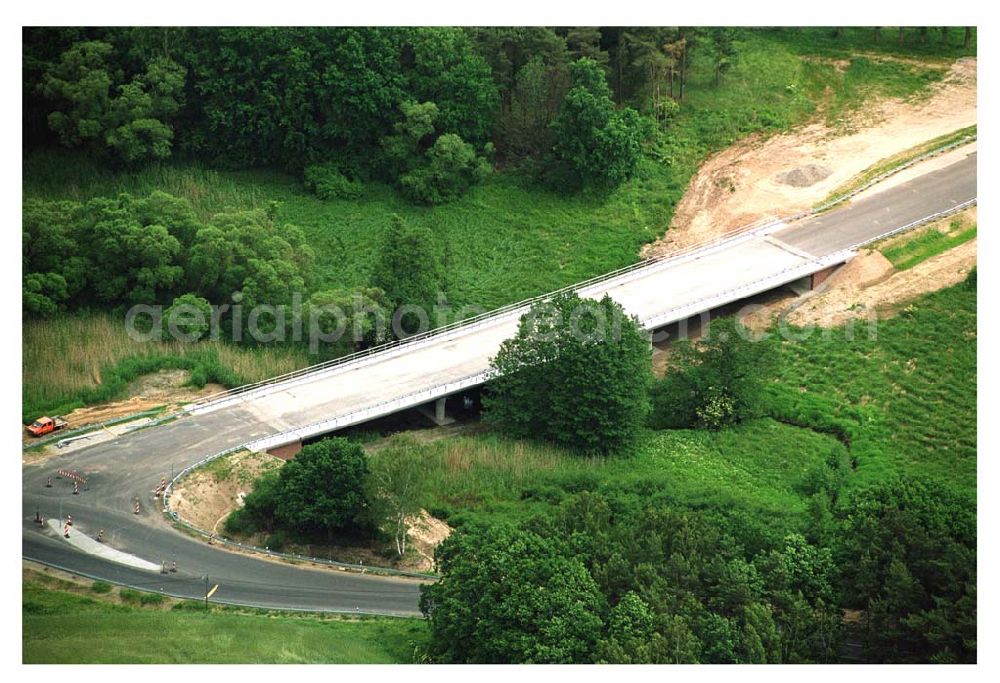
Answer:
(487, 318)
(490, 317)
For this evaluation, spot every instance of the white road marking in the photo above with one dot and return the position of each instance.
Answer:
(83, 542)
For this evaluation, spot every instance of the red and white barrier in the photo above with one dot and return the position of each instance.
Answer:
(70, 474)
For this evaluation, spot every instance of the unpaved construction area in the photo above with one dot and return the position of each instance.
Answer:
(870, 287)
(162, 389)
(785, 174)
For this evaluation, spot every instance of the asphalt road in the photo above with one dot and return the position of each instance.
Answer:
(119, 470)
(844, 227)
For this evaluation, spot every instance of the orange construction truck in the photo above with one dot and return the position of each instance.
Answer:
(46, 425)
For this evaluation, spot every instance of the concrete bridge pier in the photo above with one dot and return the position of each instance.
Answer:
(438, 416)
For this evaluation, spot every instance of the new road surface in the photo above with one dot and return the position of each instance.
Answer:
(130, 466)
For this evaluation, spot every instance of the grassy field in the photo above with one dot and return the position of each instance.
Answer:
(62, 627)
(504, 241)
(903, 402)
(905, 398)
(927, 243)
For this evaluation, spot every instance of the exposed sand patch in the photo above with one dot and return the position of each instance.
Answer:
(837, 306)
(739, 186)
(207, 496)
(426, 533)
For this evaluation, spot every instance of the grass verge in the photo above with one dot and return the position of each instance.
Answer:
(60, 627)
(928, 243)
(897, 161)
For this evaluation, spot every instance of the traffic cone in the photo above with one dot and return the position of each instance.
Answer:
(69, 520)
(41, 520)
(76, 488)
(66, 530)
(48, 484)
(173, 567)
(100, 536)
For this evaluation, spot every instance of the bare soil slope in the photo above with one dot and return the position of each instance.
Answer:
(749, 181)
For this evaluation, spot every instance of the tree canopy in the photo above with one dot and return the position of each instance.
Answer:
(545, 609)
(600, 144)
(322, 491)
(716, 381)
(576, 373)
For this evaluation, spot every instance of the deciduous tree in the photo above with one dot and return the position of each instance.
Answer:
(577, 374)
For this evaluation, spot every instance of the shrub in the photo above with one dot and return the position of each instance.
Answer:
(451, 168)
(327, 182)
(147, 599)
(717, 382)
(101, 587)
(130, 596)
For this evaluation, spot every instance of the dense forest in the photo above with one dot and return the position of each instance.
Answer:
(430, 111)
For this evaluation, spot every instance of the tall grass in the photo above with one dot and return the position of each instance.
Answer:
(78, 360)
(758, 467)
(906, 399)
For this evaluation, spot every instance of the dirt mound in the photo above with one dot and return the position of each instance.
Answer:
(207, 496)
(862, 271)
(847, 300)
(803, 176)
(739, 186)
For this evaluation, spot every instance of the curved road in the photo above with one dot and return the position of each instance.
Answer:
(131, 465)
